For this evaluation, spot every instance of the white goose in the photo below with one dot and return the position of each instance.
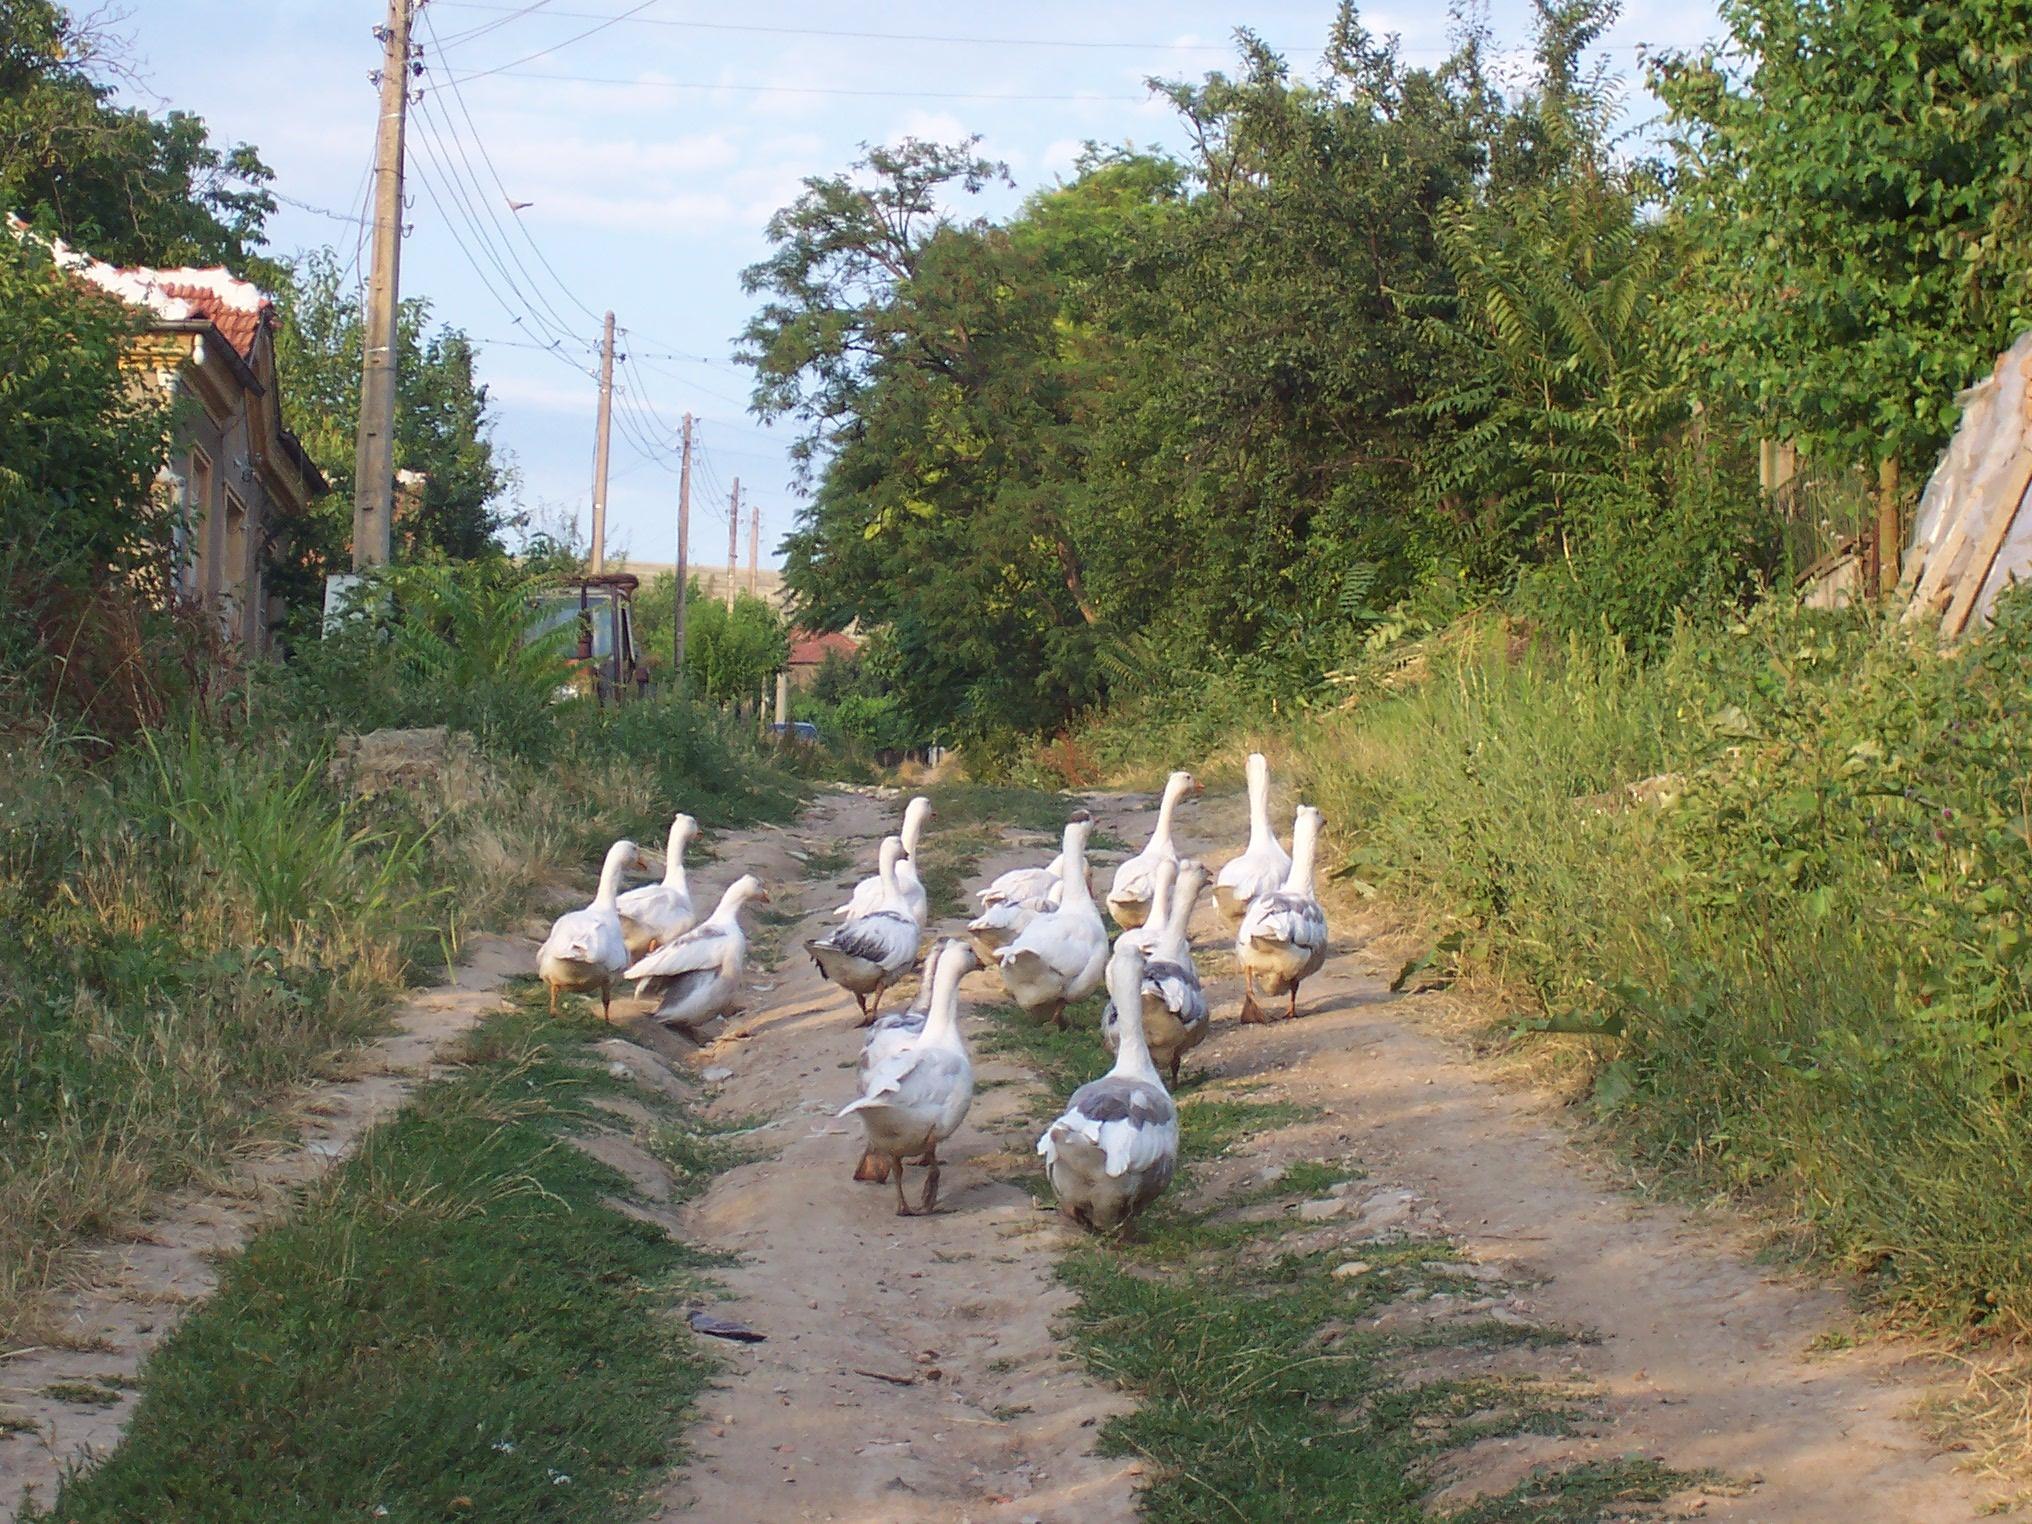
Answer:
(1282, 939)
(658, 912)
(1027, 883)
(915, 1095)
(697, 976)
(868, 894)
(1262, 866)
(1116, 1146)
(1146, 935)
(1135, 881)
(1058, 958)
(1175, 1018)
(585, 949)
(870, 952)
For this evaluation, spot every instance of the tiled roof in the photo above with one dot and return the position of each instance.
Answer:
(233, 306)
(808, 650)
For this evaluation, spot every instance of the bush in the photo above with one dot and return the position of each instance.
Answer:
(1808, 971)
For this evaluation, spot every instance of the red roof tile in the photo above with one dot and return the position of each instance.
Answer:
(808, 650)
(238, 324)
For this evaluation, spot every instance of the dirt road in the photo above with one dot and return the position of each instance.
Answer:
(911, 1373)
(911, 1369)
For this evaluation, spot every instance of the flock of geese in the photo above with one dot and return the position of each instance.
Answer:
(1115, 1147)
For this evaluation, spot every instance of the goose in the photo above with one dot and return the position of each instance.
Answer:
(1129, 899)
(585, 949)
(914, 1095)
(697, 976)
(1174, 1006)
(1058, 958)
(870, 952)
(1282, 939)
(1116, 1146)
(660, 912)
(1146, 935)
(1002, 921)
(1261, 867)
(1026, 883)
(868, 893)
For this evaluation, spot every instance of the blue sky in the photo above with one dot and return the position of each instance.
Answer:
(652, 152)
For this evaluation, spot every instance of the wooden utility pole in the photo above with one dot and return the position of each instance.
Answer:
(733, 539)
(754, 551)
(1890, 528)
(374, 451)
(683, 555)
(599, 550)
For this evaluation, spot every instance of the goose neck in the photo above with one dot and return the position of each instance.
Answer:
(1259, 804)
(1304, 845)
(610, 879)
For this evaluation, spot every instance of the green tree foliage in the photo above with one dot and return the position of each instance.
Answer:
(1380, 331)
(1853, 181)
(80, 521)
(444, 427)
(111, 179)
(732, 656)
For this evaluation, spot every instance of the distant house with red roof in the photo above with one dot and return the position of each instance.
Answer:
(236, 472)
(808, 652)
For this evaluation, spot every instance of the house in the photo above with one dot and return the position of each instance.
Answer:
(235, 470)
(808, 652)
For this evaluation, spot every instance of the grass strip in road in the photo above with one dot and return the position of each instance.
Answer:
(1261, 1395)
(459, 1322)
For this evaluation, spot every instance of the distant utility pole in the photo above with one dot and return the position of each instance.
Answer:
(599, 550)
(754, 551)
(683, 555)
(733, 540)
(374, 453)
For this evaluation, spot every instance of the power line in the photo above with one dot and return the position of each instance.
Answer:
(459, 99)
(808, 31)
(557, 47)
(479, 212)
(514, 13)
(907, 95)
(556, 346)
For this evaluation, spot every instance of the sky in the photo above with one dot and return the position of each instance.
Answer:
(651, 151)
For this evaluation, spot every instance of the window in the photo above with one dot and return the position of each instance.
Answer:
(194, 533)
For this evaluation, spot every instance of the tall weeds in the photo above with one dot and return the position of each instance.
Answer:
(1801, 952)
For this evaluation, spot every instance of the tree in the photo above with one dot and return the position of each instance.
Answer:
(730, 657)
(1855, 178)
(82, 530)
(114, 180)
(443, 425)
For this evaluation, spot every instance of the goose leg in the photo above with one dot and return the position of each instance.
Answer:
(1058, 1015)
(553, 998)
(1252, 1013)
(607, 1001)
(862, 1002)
(1291, 1013)
(1175, 1058)
(873, 1167)
(902, 1201)
(929, 1203)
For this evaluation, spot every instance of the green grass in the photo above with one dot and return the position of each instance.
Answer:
(1809, 969)
(456, 1324)
(827, 859)
(202, 921)
(1257, 1399)
(959, 804)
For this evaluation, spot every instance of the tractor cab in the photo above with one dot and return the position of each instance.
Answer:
(599, 610)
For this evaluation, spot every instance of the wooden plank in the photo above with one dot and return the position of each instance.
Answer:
(2018, 478)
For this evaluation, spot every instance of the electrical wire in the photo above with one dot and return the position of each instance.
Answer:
(557, 47)
(459, 99)
(511, 71)
(514, 13)
(809, 31)
(552, 323)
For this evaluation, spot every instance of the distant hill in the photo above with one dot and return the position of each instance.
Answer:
(712, 580)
